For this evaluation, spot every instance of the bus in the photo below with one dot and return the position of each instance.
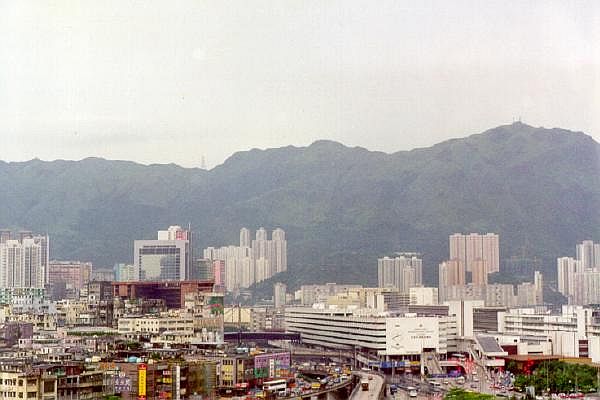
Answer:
(412, 391)
(276, 386)
(364, 384)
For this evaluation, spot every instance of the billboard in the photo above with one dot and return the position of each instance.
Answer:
(215, 304)
(410, 335)
(142, 381)
(272, 365)
(122, 383)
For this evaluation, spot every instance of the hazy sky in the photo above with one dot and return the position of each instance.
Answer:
(168, 81)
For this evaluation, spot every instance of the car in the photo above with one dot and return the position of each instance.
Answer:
(475, 379)
(430, 357)
(474, 385)
(370, 377)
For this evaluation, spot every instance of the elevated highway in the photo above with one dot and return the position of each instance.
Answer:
(376, 386)
(241, 337)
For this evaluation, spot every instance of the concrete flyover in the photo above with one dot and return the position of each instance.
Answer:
(376, 386)
(341, 391)
(241, 337)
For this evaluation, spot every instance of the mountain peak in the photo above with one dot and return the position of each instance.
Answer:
(327, 144)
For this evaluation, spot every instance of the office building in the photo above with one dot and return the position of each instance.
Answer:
(126, 273)
(562, 333)
(166, 259)
(173, 293)
(74, 273)
(424, 296)
(307, 295)
(375, 337)
(469, 248)
(203, 270)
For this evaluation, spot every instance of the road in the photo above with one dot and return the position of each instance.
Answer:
(375, 385)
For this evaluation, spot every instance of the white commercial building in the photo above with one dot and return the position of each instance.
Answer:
(377, 337)
(167, 258)
(310, 294)
(424, 296)
(575, 332)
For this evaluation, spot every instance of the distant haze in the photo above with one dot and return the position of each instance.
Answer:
(160, 82)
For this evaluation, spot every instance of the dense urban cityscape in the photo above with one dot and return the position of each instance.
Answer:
(158, 327)
(300, 200)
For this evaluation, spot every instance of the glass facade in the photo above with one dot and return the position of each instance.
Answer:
(160, 263)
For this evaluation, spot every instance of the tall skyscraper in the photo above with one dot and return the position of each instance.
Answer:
(279, 250)
(261, 234)
(245, 237)
(566, 269)
(166, 259)
(21, 264)
(402, 272)
(279, 294)
(458, 248)
(202, 270)
(4, 235)
(126, 273)
(76, 274)
(479, 273)
(469, 248)
(490, 244)
(579, 279)
(588, 254)
(245, 265)
(451, 273)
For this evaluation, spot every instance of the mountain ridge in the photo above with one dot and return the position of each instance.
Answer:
(341, 206)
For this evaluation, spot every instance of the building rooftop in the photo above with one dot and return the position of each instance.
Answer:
(488, 344)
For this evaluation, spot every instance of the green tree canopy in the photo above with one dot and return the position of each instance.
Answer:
(461, 394)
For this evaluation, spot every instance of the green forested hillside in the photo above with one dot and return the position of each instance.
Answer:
(341, 207)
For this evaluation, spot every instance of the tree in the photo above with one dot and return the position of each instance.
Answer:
(559, 377)
(461, 394)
